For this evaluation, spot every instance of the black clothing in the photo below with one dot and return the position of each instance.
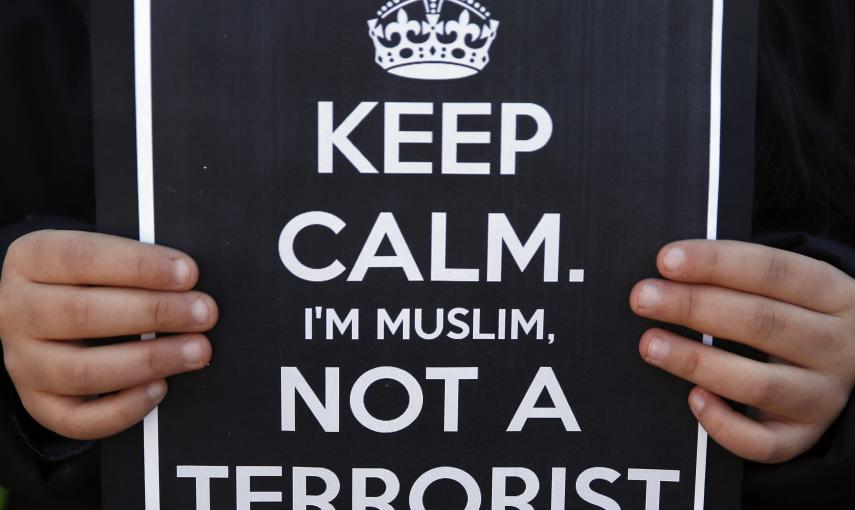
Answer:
(47, 181)
(46, 111)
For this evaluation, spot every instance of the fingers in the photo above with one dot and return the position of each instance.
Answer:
(782, 390)
(80, 418)
(757, 269)
(770, 442)
(82, 258)
(80, 371)
(792, 307)
(59, 312)
(62, 285)
(781, 329)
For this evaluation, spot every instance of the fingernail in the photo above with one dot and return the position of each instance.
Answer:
(697, 401)
(181, 271)
(674, 259)
(192, 352)
(657, 349)
(199, 311)
(156, 391)
(648, 296)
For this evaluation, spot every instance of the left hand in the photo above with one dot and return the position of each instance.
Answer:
(798, 310)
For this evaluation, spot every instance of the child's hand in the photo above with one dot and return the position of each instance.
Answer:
(59, 288)
(798, 310)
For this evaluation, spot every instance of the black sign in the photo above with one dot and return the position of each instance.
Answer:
(421, 220)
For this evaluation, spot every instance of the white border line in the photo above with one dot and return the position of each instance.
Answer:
(145, 184)
(145, 197)
(715, 118)
(712, 210)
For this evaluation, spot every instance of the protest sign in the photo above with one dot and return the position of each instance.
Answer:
(421, 220)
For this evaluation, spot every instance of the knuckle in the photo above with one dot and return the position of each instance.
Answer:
(158, 311)
(830, 338)
(764, 393)
(711, 259)
(152, 267)
(767, 320)
(691, 363)
(79, 376)
(15, 252)
(24, 246)
(14, 249)
(32, 246)
(78, 254)
(777, 269)
(79, 313)
(688, 303)
(157, 362)
(142, 267)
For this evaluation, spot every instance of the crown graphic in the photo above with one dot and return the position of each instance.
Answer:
(433, 39)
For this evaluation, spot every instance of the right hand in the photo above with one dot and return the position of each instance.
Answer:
(59, 288)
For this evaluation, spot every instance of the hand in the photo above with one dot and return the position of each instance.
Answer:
(796, 309)
(59, 288)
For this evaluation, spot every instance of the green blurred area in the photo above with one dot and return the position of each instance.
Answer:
(2, 498)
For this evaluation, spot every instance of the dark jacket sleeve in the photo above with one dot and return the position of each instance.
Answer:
(42, 469)
(46, 180)
(822, 477)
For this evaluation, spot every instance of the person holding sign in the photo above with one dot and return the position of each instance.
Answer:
(794, 303)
